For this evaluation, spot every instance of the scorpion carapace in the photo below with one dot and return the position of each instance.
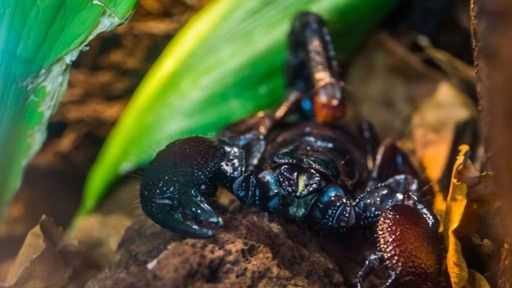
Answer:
(300, 161)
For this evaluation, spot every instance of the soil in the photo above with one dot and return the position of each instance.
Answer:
(251, 250)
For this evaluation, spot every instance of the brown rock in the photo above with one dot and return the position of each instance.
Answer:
(252, 249)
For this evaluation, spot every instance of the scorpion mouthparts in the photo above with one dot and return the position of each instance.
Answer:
(212, 223)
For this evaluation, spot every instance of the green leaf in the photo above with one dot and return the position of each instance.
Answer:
(38, 41)
(225, 64)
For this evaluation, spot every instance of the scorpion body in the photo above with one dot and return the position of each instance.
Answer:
(300, 161)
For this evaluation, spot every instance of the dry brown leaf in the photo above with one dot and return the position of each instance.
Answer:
(395, 82)
(38, 263)
(47, 260)
(108, 230)
(455, 204)
(433, 126)
(476, 280)
(452, 212)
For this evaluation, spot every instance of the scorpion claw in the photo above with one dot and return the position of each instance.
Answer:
(194, 218)
(175, 187)
(180, 208)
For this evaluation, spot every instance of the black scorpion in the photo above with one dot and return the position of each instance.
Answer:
(300, 161)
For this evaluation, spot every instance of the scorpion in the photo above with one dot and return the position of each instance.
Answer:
(302, 162)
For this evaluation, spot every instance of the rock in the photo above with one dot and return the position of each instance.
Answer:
(252, 249)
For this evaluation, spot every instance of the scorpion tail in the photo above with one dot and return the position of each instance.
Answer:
(176, 185)
(312, 67)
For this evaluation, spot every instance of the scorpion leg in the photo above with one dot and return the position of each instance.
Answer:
(250, 136)
(371, 142)
(176, 185)
(391, 280)
(399, 189)
(390, 161)
(312, 66)
(259, 190)
(333, 210)
(372, 262)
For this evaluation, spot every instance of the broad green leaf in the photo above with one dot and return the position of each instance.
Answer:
(225, 64)
(38, 41)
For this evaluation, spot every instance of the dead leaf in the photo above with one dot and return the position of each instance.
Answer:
(38, 263)
(47, 260)
(395, 82)
(476, 280)
(108, 230)
(453, 211)
(469, 174)
(455, 204)
(433, 127)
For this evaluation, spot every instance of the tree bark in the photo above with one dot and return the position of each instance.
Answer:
(492, 42)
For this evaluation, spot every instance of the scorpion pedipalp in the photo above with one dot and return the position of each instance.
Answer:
(408, 245)
(176, 186)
